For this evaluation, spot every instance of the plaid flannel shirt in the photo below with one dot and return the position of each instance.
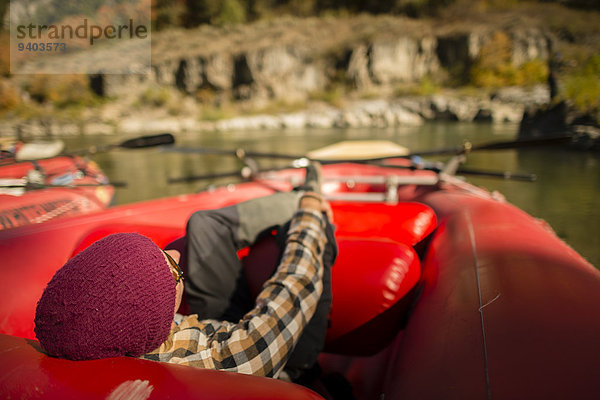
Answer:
(262, 341)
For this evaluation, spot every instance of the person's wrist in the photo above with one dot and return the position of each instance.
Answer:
(311, 201)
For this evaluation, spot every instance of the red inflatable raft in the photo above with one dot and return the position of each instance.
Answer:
(440, 290)
(32, 192)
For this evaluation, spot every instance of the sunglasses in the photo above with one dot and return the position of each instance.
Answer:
(175, 269)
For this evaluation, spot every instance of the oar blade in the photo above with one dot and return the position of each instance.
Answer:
(141, 142)
(358, 150)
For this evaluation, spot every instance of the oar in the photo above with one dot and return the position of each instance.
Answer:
(455, 169)
(462, 149)
(526, 177)
(141, 142)
(465, 148)
(331, 155)
(37, 186)
(193, 178)
(358, 157)
(246, 172)
(468, 147)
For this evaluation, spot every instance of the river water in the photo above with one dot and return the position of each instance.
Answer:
(566, 193)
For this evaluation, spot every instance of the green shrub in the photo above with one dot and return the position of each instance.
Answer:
(232, 12)
(225, 12)
(205, 95)
(494, 67)
(332, 95)
(426, 86)
(534, 71)
(9, 96)
(276, 107)
(211, 113)
(199, 12)
(4, 54)
(155, 97)
(62, 91)
(166, 13)
(582, 85)
(303, 8)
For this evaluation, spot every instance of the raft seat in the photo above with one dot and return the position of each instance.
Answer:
(372, 282)
(374, 277)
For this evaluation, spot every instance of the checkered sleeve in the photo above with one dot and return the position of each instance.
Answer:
(262, 341)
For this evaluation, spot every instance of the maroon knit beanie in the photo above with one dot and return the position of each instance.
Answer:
(117, 297)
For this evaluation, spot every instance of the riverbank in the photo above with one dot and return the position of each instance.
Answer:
(503, 106)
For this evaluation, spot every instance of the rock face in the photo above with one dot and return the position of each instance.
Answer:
(291, 71)
(403, 59)
(278, 72)
(283, 72)
(529, 44)
(257, 67)
(544, 121)
(559, 120)
(458, 51)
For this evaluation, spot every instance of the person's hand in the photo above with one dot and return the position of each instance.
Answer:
(314, 201)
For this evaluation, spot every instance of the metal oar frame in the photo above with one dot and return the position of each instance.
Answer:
(443, 171)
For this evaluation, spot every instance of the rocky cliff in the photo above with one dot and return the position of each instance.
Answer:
(378, 63)
(365, 54)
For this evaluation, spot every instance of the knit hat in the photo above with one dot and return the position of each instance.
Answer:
(117, 297)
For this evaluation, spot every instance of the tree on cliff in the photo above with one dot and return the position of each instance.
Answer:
(198, 12)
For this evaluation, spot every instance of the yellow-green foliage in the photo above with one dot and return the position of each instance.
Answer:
(205, 95)
(276, 107)
(232, 12)
(332, 95)
(427, 86)
(166, 13)
(582, 85)
(9, 96)
(534, 71)
(4, 54)
(211, 113)
(155, 97)
(162, 97)
(62, 90)
(494, 67)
